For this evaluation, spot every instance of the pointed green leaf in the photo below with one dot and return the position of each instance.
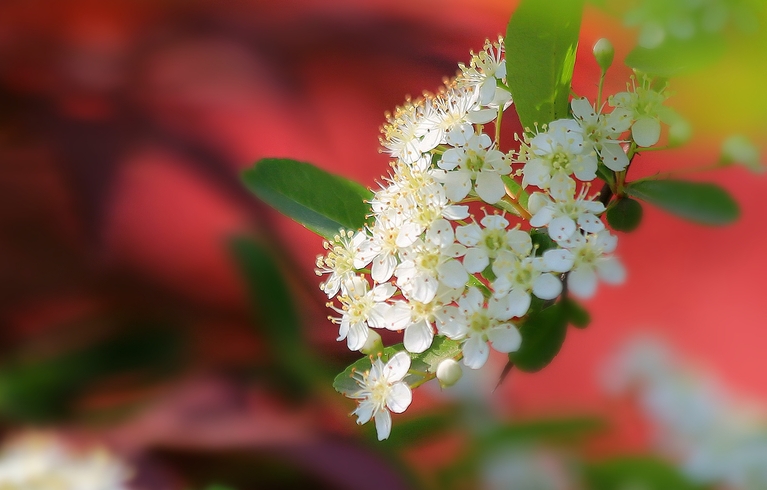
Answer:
(625, 215)
(700, 202)
(321, 201)
(543, 334)
(541, 41)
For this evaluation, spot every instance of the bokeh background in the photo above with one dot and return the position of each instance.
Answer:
(133, 262)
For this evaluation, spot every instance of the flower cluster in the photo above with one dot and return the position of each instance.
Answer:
(43, 462)
(428, 264)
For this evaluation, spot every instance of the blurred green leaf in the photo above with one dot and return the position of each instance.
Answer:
(543, 334)
(425, 362)
(321, 201)
(577, 315)
(703, 203)
(625, 214)
(276, 316)
(269, 293)
(645, 472)
(541, 42)
(677, 56)
(565, 428)
(46, 389)
(423, 428)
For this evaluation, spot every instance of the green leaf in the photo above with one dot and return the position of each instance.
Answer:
(269, 293)
(541, 241)
(321, 201)
(543, 334)
(516, 189)
(541, 42)
(46, 389)
(625, 214)
(577, 315)
(703, 203)
(645, 472)
(677, 56)
(425, 362)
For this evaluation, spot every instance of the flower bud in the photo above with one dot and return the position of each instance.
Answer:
(373, 344)
(448, 372)
(604, 52)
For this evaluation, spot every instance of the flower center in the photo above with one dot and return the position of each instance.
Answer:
(428, 260)
(494, 241)
(560, 160)
(479, 322)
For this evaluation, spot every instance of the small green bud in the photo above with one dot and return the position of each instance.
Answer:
(448, 373)
(604, 53)
(373, 345)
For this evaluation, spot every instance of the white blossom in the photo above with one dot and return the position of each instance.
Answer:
(517, 276)
(363, 308)
(476, 162)
(43, 462)
(563, 217)
(558, 150)
(342, 260)
(382, 389)
(475, 324)
(603, 131)
(487, 241)
(586, 258)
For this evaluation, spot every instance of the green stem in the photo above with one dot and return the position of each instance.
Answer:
(498, 127)
(599, 90)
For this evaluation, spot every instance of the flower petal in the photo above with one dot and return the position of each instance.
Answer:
(383, 424)
(475, 352)
(399, 397)
(582, 282)
(418, 337)
(547, 286)
(397, 366)
(505, 338)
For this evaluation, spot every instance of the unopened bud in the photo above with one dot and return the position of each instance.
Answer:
(373, 344)
(448, 372)
(604, 53)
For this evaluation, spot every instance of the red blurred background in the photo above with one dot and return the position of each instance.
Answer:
(124, 126)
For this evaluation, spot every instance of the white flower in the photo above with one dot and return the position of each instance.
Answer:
(381, 249)
(603, 131)
(476, 324)
(564, 216)
(382, 389)
(429, 262)
(452, 117)
(586, 258)
(400, 133)
(558, 150)
(341, 261)
(420, 317)
(41, 462)
(519, 275)
(485, 69)
(363, 308)
(485, 243)
(646, 108)
(474, 162)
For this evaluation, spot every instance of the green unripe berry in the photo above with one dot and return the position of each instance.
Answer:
(604, 53)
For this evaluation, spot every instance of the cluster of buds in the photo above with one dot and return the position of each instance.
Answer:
(427, 265)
